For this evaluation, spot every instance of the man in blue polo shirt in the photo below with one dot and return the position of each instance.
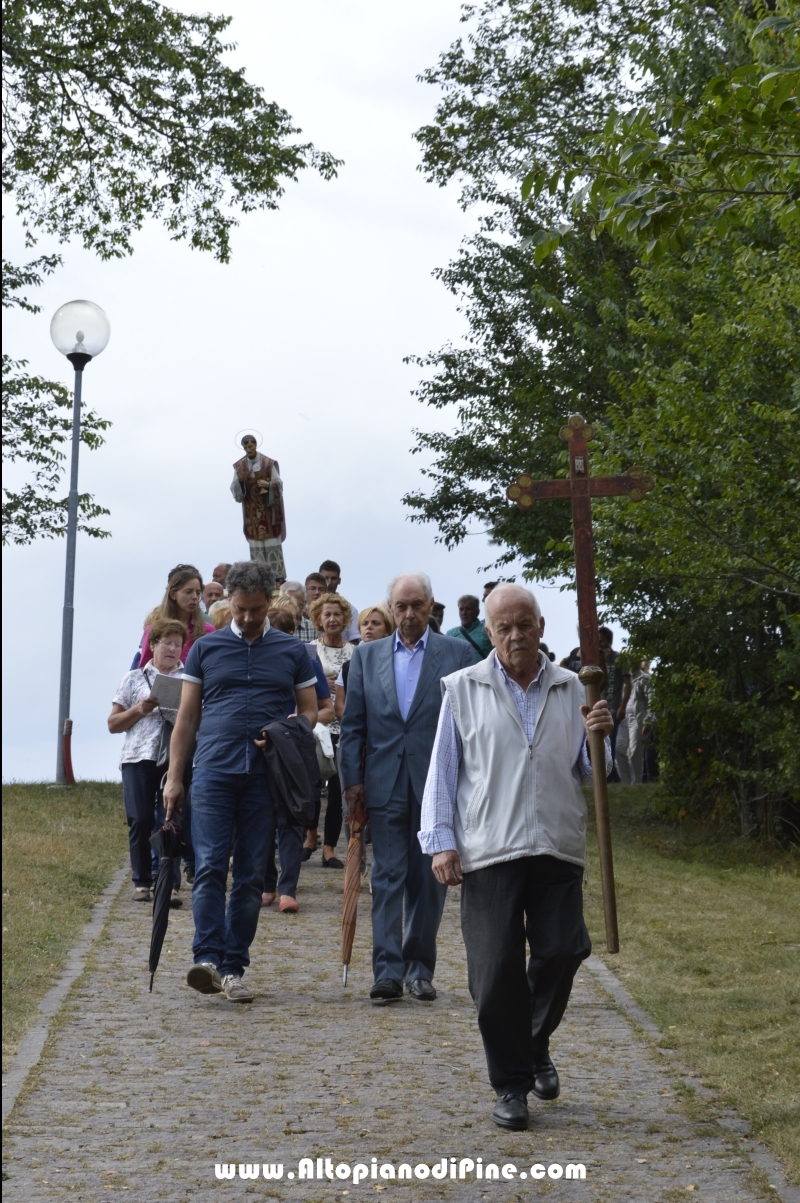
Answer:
(236, 681)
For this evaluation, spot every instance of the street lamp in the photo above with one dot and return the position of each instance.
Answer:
(79, 330)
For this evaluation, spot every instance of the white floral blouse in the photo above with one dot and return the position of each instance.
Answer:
(332, 659)
(143, 738)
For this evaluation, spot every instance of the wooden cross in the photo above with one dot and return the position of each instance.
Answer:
(581, 488)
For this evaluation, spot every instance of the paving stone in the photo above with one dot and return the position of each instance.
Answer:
(142, 1094)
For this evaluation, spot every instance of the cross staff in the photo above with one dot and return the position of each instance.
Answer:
(581, 488)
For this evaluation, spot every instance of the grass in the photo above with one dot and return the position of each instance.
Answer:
(710, 940)
(60, 849)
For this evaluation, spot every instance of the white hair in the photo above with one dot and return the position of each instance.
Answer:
(422, 577)
(498, 593)
(293, 587)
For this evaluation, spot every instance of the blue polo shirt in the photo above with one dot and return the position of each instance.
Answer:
(323, 688)
(245, 686)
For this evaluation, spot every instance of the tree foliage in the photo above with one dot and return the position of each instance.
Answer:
(115, 112)
(661, 169)
(37, 422)
(121, 110)
(687, 366)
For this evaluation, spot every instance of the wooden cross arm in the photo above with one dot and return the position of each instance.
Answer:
(633, 482)
(526, 490)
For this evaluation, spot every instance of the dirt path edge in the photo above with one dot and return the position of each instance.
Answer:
(31, 1045)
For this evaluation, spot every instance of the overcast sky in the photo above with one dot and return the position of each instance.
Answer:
(301, 336)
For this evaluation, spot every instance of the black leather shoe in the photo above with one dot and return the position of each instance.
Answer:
(422, 990)
(545, 1080)
(386, 990)
(511, 1111)
(332, 862)
(307, 854)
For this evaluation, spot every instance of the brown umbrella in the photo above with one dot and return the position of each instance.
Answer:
(352, 889)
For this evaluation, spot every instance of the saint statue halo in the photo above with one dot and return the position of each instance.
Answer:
(257, 435)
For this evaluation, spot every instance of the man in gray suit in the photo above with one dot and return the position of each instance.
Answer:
(389, 725)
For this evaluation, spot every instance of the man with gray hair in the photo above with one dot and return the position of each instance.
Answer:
(220, 573)
(236, 680)
(295, 590)
(503, 815)
(393, 700)
(472, 629)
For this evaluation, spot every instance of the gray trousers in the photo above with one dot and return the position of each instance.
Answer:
(407, 900)
(630, 751)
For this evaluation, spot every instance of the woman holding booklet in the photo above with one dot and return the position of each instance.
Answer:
(142, 711)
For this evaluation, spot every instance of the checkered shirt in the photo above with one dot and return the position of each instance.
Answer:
(307, 631)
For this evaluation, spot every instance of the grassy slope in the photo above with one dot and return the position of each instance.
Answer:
(710, 939)
(60, 849)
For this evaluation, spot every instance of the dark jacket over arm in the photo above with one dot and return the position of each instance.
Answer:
(292, 767)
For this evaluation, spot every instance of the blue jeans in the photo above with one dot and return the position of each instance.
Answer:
(402, 880)
(237, 809)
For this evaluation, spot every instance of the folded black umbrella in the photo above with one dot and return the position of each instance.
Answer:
(170, 843)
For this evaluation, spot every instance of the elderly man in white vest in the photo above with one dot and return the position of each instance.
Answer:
(503, 815)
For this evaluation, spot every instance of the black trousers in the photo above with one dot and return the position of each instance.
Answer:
(140, 795)
(535, 897)
(289, 839)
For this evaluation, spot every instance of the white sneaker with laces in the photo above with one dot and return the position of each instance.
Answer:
(235, 990)
(204, 977)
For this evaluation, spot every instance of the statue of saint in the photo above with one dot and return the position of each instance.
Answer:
(257, 485)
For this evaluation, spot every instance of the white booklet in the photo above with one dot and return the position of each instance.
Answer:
(167, 691)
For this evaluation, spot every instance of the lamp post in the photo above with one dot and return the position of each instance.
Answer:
(79, 330)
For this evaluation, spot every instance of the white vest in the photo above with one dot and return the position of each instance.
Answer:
(516, 799)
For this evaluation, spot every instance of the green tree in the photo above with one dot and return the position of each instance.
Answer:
(706, 572)
(115, 112)
(37, 422)
(660, 170)
(523, 93)
(687, 367)
(121, 110)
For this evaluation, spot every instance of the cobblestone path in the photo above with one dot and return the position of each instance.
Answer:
(142, 1094)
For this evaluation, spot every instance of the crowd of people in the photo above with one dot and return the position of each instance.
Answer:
(433, 782)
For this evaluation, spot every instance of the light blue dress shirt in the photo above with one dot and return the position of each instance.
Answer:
(407, 667)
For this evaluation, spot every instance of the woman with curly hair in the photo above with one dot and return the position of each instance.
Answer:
(181, 601)
(332, 615)
(373, 623)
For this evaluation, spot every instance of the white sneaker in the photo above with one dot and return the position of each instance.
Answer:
(235, 990)
(204, 977)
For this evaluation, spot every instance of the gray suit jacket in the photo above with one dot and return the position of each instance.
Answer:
(373, 732)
